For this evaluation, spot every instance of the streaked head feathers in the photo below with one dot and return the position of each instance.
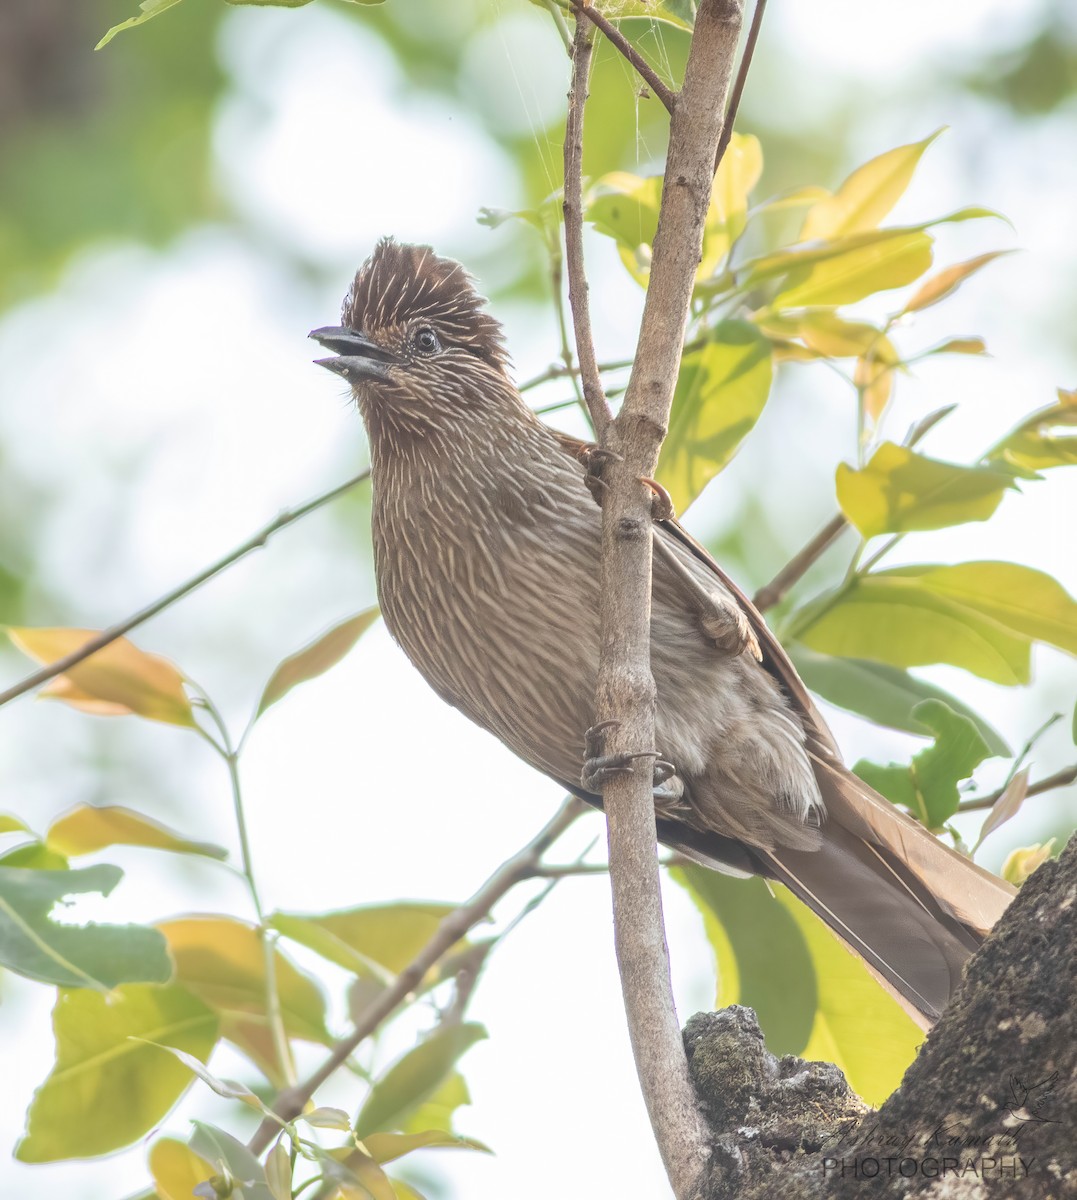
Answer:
(401, 285)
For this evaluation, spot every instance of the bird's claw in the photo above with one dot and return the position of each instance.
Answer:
(599, 768)
(594, 459)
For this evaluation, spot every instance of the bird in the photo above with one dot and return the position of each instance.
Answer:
(486, 537)
(1029, 1100)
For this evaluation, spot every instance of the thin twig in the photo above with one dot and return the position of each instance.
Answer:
(291, 1102)
(562, 25)
(625, 48)
(626, 691)
(741, 80)
(1059, 779)
(114, 632)
(573, 206)
(795, 569)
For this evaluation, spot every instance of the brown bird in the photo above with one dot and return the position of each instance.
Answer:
(486, 547)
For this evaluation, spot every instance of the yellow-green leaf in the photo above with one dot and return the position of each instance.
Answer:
(813, 997)
(231, 1157)
(1020, 863)
(1019, 599)
(315, 659)
(374, 939)
(721, 390)
(887, 260)
(946, 282)
(87, 828)
(900, 490)
(438, 1109)
(899, 620)
(222, 961)
(9, 823)
(90, 956)
(149, 10)
(279, 1173)
(107, 1090)
(868, 194)
(822, 330)
(414, 1078)
(115, 681)
(385, 1147)
(177, 1170)
(1039, 442)
(954, 345)
(625, 207)
(727, 214)
(873, 379)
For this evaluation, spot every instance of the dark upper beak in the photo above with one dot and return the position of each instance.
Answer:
(359, 357)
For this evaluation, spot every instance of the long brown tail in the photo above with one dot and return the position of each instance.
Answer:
(910, 907)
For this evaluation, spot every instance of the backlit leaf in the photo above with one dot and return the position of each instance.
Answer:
(1019, 599)
(439, 1109)
(900, 490)
(149, 10)
(896, 619)
(107, 1090)
(813, 997)
(374, 939)
(1007, 805)
(222, 961)
(727, 215)
(114, 681)
(229, 1154)
(92, 956)
(313, 660)
(946, 282)
(1020, 863)
(954, 345)
(680, 13)
(278, 1170)
(34, 855)
(868, 194)
(177, 1170)
(882, 263)
(873, 379)
(1040, 441)
(721, 390)
(824, 331)
(87, 828)
(414, 1078)
(927, 786)
(385, 1147)
(885, 695)
(9, 823)
(327, 1118)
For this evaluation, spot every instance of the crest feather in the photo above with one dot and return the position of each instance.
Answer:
(400, 284)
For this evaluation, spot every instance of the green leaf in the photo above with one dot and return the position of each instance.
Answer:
(813, 997)
(868, 194)
(278, 1170)
(831, 336)
(727, 214)
(87, 828)
(885, 695)
(888, 260)
(438, 1110)
(9, 823)
(625, 207)
(93, 956)
(115, 681)
(946, 282)
(36, 856)
(315, 659)
(927, 786)
(1020, 863)
(895, 619)
(1021, 600)
(900, 490)
(229, 1089)
(107, 1090)
(721, 390)
(414, 1078)
(377, 940)
(222, 961)
(1038, 443)
(681, 13)
(285, 3)
(954, 345)
(150, 9)
(385, 1147)
(228, 1154)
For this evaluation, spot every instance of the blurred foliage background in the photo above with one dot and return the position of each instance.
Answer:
(178, 209)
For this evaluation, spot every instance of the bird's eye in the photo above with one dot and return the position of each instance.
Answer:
(426, 341)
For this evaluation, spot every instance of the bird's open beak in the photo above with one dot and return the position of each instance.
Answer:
(357, 356)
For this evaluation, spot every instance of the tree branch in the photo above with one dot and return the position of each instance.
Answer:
(114, 632)
(625, 48)
(590, 377)
(742, 79)
(1059, 779)
(797, 567)
(625, 693)
(290, 1102)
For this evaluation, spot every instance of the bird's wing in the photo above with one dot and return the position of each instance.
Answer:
(1017, 1091)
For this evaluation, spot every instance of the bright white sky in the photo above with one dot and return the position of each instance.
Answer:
(179, 411)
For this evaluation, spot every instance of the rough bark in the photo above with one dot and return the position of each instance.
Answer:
(955, 1129)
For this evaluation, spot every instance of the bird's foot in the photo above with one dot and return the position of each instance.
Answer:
(595, 460)
(599, 768)
(727, 624)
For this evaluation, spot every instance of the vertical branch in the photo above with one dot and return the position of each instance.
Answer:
(626, 692)
(593, 392)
